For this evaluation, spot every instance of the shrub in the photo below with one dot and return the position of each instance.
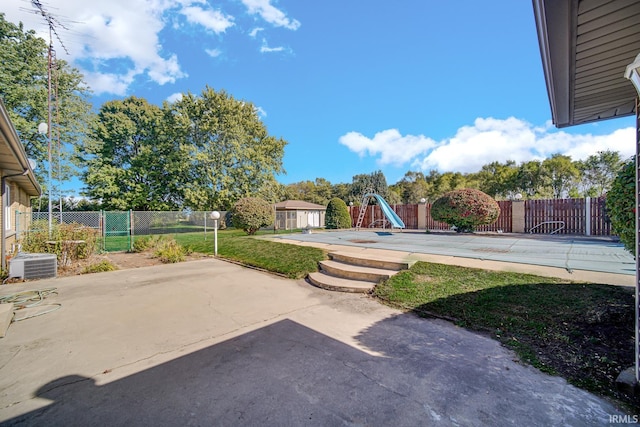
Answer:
(337, 215)
(170, 251)
(621, 209)
(64, 241)
(252, 213)
(102, 266)
(141, 244)
(465, 209)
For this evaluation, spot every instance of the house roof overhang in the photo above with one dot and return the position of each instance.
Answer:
(586, 46)
(13, 158)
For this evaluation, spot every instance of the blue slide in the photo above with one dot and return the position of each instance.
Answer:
(393, 217)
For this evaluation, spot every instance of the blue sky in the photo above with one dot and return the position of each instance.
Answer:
(354, 86)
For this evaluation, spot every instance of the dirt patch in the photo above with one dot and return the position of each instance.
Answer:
(122, 260)
(362, 241)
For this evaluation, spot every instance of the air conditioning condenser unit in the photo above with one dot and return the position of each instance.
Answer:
(33, 266)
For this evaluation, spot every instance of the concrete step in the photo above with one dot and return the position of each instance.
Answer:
(355, 272)
(369, 260)
(332, 283)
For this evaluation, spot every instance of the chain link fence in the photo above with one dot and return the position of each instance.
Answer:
(118, 229)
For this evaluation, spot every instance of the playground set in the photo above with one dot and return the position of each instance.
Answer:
(391, 216)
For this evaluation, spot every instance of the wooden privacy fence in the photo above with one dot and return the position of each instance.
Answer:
(375, 218)
(557, 216)
(567, 216)
(502, 224)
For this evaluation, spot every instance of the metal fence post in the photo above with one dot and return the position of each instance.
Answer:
(131, 230)
(103, 230)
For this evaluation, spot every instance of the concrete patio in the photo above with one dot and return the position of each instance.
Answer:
(211, 343)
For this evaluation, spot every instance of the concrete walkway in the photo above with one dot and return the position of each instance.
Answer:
(597, 260)
(211, 343)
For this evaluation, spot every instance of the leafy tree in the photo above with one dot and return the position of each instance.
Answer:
(251, 213)
(24, 89)
(598, 172)
(323, 191)
(621, 205)
(498, 179)
(227, 151)
(131, 164)
(529, 179)
(412, 187)
(318, 191)
(366, 183)
(560, 174)
(449, 181)
(198, 153)
(465, 209)
(337, 215)
(342, 191)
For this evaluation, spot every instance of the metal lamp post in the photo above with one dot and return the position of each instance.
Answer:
(215, 216)
(633, 74)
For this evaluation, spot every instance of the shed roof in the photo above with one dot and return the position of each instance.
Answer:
(586, 46)
(13, 158)
(298, 205)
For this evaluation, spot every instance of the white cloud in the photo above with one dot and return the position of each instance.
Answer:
(261, 112)
(266, 49)
(270, 13)
(486, 141)
(214, 53)
(392, 147)
(113, 42)
(174, 97)
(116, 84)
(116, 43)
(255, 32)
(213, 20)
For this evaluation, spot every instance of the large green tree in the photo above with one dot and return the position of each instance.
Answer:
(24, 90)
(561, 175)
(374, 182)
(319, 191)
(228, 153)
(202, 152)
(529, 178)
(498, 179)
(599, 171)
(132, 162)
(412, 187)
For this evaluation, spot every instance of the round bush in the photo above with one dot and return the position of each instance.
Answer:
(621, 209)
(337, 215)
(465, 209)
(252, 213)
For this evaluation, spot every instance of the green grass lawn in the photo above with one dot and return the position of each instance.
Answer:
(290, 260)
(582, 332)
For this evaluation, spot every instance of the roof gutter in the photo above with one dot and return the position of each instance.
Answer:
(553, 23)
(19, 154)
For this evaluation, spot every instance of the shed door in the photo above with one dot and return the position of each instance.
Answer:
(313, 219)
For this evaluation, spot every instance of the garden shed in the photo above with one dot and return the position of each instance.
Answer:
(294, 214)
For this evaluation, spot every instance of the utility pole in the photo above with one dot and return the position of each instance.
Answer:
(51, 23)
